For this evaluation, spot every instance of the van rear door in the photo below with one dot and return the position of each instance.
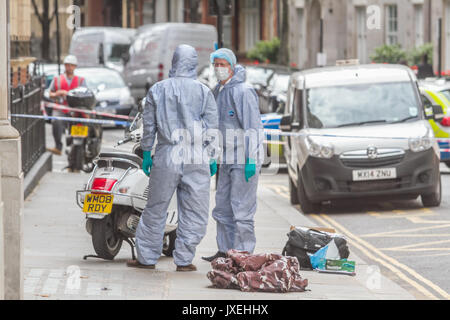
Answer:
(202, 38)
(86, 48)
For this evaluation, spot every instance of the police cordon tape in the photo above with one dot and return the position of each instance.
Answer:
(268, 132)
(273, 132)
(51, 105)
(79, 120)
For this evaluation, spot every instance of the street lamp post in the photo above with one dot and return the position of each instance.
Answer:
(219, 8)
(11, 177)
(58, 38)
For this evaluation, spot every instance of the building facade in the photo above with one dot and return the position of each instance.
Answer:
(440, 9)
(36, 30)
(20, 27)
(251, 21)
(352, 29)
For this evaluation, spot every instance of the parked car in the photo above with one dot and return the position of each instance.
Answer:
(208, 77)
(438, 93)
(150, 55)
(277, 88)
(101, 46)
(362, 132)
(271, 83)
(112, 94)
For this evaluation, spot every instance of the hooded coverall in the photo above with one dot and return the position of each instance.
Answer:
(174, 109)
(239, 119)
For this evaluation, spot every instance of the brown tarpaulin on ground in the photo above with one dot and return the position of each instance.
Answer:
(258, 272)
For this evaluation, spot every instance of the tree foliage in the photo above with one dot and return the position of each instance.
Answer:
(45, 19)
(395, 54)
(265, 51)
(416, 54)
(389, 54)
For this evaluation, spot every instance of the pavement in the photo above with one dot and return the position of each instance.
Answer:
(56, 240)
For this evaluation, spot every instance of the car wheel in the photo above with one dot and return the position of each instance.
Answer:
(306, 205)
(293, 192)
(433, 199)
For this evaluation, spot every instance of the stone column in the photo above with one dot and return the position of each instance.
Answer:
(11, 174)
(2, 241)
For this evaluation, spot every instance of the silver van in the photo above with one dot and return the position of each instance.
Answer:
(358, 132)
(101, 46)
(150, 55)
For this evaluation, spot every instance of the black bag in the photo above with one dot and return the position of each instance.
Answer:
(304, 241)
(301, 255)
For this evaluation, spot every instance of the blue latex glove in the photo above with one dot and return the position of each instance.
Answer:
(213, 167)
(250, 169)
(147, 164)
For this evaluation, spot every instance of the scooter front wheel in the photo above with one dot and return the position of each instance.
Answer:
(169, 243)
(106, 240)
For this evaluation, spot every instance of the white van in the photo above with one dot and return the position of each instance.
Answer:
(359, 132)
(150, 56)
(101, 46)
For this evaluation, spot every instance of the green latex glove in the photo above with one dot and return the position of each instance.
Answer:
(147, 164)
(213, 167)
(250, 169)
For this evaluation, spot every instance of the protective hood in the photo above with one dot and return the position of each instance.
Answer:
(184, 62)
(240, 75)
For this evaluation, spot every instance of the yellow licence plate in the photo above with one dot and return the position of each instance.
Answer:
(79, 131)
(98, 203)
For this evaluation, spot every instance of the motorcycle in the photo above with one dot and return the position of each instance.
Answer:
(115, 196)
(83, 140)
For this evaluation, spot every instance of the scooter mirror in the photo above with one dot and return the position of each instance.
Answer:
(141, 106)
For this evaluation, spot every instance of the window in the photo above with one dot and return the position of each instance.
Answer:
(418, 13)
(391, 23)
(251, 10)
(345, 105)
(148, 12)
(361, 34)
(227, 29)
(301, 37)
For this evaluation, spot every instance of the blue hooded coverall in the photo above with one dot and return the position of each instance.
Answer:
(178, 103)
(235, 209)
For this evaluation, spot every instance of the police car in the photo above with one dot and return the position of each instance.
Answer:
(437, 92)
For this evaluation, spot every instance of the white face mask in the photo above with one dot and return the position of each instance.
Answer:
(222, 73)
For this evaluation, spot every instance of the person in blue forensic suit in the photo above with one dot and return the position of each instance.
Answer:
(180, 111)
(239, 119)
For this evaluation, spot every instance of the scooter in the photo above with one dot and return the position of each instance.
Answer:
(115, 196)
(83, 140)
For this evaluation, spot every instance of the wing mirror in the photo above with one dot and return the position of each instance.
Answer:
(438, 113)
(286, 123)
(125, 58)
(435, 112)
(141, 106)
(101, 54)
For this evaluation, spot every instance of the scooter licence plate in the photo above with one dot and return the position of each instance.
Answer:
(98, 203)
(79, 131)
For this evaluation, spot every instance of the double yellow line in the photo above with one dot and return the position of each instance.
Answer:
(375, 254)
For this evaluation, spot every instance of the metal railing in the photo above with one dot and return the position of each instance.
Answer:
(26, 99)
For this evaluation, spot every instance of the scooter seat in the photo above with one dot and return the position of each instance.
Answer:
(126, 156)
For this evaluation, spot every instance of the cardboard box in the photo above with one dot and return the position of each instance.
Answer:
(317, 229)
